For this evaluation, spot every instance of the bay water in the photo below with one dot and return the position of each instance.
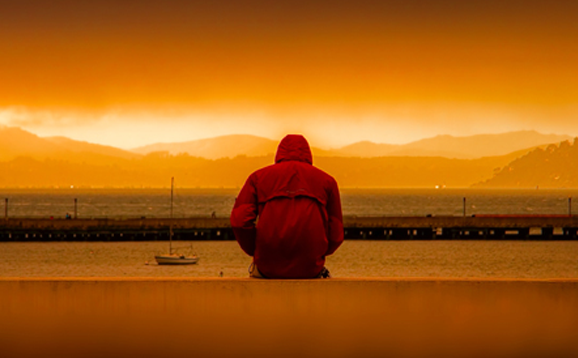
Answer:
(461, 259)
(127, 203)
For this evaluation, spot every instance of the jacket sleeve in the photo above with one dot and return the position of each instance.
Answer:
(243, 217)
(335, 235)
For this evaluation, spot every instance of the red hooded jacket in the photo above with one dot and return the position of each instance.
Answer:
(288, 215)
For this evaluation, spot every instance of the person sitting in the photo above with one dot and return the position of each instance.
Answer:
(288, 215)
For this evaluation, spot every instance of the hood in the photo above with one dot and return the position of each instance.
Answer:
(294, 147)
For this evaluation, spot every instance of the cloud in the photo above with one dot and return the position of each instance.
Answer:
(24, 117)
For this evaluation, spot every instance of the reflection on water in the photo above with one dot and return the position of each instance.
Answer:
(492, 259)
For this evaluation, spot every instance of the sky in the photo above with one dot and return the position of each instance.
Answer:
(130, 73)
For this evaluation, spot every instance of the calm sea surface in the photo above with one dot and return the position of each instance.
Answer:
(506, 259)
(497, 259)
(123, 203)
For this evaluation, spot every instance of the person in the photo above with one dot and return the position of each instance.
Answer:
(288, 215)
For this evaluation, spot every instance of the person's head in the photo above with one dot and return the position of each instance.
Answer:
(294, 147)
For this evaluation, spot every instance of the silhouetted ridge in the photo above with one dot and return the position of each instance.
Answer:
(15, 142)
(555, 166)
(228, 146)
(86, 147)
(477, 146)
(27, 160)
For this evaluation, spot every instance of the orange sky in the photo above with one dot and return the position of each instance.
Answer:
(339, 71)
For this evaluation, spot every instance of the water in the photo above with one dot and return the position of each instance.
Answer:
(492, 259)
(123, 203)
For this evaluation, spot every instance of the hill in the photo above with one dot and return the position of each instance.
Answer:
(476, 146)
(15, 142)
(153, 170)
(366, 149)
(27, 160)
(228, 146)
(86, 147)
(555, 166)
(441, 146)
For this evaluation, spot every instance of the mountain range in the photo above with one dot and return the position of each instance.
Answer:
(27, 160)
(481, 145)
(228, 146)
(447, 146)
(15, 142)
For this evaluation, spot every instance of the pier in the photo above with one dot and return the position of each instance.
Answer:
(484, 227)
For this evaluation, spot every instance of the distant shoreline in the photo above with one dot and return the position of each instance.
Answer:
(230, 188)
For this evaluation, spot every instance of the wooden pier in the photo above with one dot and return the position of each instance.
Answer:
(487, 227)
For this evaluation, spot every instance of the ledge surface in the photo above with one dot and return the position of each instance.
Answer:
(228, 317)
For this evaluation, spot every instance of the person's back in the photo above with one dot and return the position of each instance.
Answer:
(299, 214)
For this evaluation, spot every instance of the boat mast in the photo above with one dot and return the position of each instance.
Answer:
(171, 221)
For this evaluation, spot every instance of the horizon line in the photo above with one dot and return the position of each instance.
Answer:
(130, 149)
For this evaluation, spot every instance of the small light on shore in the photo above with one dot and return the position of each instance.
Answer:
(72, 187)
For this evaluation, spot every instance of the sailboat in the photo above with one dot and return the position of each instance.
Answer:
(174, 258)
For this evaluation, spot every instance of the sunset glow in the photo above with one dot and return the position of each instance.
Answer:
(134, 73)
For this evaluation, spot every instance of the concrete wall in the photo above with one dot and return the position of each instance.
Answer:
(274, 318)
